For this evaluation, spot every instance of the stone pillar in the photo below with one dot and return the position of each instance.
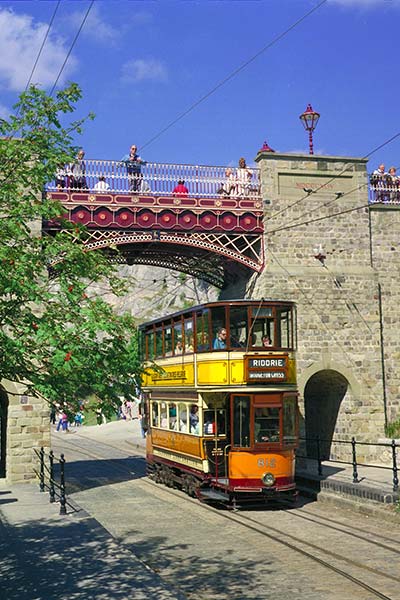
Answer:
(314, 206)
(28, 427)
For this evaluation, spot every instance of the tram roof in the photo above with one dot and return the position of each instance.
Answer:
(233, 302)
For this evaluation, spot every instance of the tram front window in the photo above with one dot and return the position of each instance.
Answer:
(241, 421)
(266, 424)
(289, 421)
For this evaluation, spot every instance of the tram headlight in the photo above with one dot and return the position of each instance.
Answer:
(268, 479)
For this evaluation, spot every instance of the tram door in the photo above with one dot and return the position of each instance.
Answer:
(216, 446)
(3, 432)
(240, 421)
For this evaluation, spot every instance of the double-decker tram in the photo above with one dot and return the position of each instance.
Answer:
(221, 400)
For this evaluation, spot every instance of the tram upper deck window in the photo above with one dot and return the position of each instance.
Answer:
(168, 341)
(189, 337)
(150, 345)
(241, 421)
(285, 328)
(178, 338)
(266, 424)
(202, 331)
(159, 343)
(218, 324)
(262, 327)
(238, 327)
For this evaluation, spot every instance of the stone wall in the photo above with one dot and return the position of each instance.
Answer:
(315, 203)
(28, 427)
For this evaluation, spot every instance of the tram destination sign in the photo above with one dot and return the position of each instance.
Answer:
(266, 368)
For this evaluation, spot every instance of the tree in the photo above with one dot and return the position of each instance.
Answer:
(56, 337)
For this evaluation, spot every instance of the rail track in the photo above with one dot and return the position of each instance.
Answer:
(376, 582)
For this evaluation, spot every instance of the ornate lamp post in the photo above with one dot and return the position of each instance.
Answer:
(309, 118)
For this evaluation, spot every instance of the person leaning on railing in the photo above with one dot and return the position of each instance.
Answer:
(394, 185)
(133, 163)
(379, 182)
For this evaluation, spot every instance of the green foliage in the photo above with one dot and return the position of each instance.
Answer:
(392, 430)
(56, 337)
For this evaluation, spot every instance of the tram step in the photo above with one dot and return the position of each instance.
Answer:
(213, 495)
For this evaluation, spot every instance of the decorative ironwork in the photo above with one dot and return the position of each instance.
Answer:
(160, 179)
(205, 233)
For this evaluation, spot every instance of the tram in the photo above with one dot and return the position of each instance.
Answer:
(219, 384)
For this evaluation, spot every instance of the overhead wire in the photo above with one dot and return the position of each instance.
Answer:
(333, 178)
(233, 74)
(72, 47)
(43, 44)
(312, 304)
(4, 180)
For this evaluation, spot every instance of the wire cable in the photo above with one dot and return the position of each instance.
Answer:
(72, 47)
(382, 145)
(233, 74)
(312, 304)
(43, 43)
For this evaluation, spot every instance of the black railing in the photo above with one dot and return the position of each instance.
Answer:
(48, 480)
(318, 442)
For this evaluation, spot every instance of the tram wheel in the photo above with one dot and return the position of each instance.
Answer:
(193, 486)
(158, 474)
(169, 477)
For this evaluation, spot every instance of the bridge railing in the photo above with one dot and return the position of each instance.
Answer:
(384, 190)
(158, 179)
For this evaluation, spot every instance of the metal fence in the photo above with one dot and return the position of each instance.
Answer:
(317, 442)
(102, 176)
(48, 480)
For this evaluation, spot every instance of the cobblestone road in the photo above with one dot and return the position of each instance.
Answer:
(206, 556)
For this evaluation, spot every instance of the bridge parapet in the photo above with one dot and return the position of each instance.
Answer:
(159, 179)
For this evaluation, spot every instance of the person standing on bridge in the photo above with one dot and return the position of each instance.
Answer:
(78, 172)
(180, 189)
(134, 164)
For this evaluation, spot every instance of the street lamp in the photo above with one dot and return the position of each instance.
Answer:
(309, 118)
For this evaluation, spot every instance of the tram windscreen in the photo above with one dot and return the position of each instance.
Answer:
(241, 421)
(266, 424)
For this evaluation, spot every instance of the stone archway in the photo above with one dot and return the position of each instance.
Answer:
(323, 395)
(3, 432)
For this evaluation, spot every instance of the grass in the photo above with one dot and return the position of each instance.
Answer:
(392, 430)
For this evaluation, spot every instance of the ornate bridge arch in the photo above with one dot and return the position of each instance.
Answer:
(207, 233)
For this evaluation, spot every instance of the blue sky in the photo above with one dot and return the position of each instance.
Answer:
(142, 64)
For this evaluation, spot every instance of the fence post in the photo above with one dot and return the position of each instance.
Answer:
(41, 484)
(63, 509)
(353, 448)
(394, 468)
(51, 475)
(319, 457)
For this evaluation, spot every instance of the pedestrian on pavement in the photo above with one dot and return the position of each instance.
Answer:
(53, 414)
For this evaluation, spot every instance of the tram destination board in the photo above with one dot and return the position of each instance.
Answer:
(266, 368)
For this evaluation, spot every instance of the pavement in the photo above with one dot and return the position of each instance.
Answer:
(44, 555)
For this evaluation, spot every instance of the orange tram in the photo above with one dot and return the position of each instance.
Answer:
(221, 400)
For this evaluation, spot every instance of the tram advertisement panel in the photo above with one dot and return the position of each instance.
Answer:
(267, 368)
